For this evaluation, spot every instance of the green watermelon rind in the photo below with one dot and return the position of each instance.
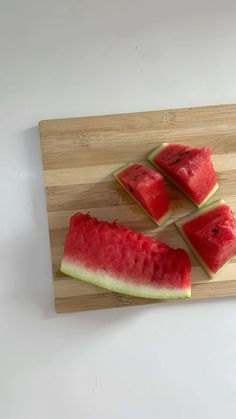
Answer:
(179, 223)
(159, 222)
(150, 157)
(123, 286)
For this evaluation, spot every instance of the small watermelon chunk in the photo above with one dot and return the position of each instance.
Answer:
(112, 256)
(147, 188)
(189, 168)
(211, 234)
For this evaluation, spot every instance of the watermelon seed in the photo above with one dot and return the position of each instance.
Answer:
(175, 162)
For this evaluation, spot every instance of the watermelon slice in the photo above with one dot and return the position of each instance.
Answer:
(112, 256)
(147, 188)
(211, 235)
(190, 169)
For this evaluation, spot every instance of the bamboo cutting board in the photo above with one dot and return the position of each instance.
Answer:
(79, 155)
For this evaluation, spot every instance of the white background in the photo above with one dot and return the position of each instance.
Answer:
(82, 57)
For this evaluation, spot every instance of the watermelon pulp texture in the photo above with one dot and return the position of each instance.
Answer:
(147, 187)
(211, 232)
(119, 259)
(191, 169)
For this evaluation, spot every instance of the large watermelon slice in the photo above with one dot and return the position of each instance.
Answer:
(147, 188)
(188, 168)
(211, 234)
(112, 256)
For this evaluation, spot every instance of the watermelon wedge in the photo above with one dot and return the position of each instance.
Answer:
(147, 188)
(189, 168)
(112, 256)
(211, 235)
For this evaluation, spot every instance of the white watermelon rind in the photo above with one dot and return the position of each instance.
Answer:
(179, 223)
(123, 286)
(155, 152)
(159, 222)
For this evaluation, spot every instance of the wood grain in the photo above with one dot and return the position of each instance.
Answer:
(79, 156)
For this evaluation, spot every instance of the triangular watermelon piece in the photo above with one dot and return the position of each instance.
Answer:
(189, 168)
(211, 235)
(113, 256)
(147, 188)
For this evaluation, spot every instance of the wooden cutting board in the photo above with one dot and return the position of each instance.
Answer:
(79, 155)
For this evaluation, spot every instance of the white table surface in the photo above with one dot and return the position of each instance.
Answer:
(64, 58)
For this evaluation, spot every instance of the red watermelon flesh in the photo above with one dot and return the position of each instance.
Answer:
(189, 168)
(112, 256)
(148, 189)
(211, 233)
